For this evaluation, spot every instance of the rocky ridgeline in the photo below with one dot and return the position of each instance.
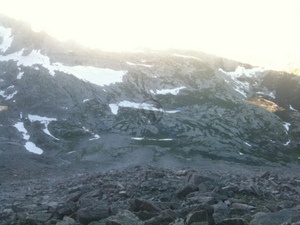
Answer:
(153, 196)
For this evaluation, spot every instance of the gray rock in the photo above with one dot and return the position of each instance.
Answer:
(221, 212)
(143, 205)
(233, 221)
(184, 191)
(66, 221)
(66, 209)
(124, 218)
(178, 221)
(274, 218)
(198, 216)
(90, 214)
(38, 217)
(241, 209)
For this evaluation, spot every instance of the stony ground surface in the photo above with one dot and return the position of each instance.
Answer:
(152, 195)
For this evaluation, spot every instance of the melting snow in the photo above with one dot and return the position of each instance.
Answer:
(287, 126)
(96, 136)
(21, 129)
(151, 139)
(98, 76)
(31, 147)
(247, 144)
(187, 57)
(85, 100)
(240, 153)
(270, 94)
(173, 91)
(139, 64)
(20, 75)
(127, 104)
(240, 86)
(7, 39)
(239, 71)
(287, 143)
(7, 97)
(43, 120)
(291, 108)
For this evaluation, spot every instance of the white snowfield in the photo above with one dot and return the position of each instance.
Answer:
(127, 104)
(45, 121)
(95, 75)
(173, 91)
(30, 146)
(240, 86)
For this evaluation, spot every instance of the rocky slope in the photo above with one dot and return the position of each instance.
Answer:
(155, 196)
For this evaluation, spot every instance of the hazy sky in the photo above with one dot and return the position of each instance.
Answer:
(264, 32)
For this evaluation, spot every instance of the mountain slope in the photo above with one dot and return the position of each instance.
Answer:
(67, 103)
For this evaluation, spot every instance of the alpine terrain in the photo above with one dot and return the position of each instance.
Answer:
(66, 110)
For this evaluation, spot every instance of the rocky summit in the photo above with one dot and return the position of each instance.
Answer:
(148, 137)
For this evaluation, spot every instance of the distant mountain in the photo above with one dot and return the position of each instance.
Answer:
(68, 103)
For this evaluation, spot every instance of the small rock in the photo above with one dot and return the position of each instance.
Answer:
(179, 221)
(90, 214)
(67, 209)
(233, 221)
(198, 216)
(241, 209)
(184, 191)
(274, 218)
(124, 218)
(66, 221)
(143, 205)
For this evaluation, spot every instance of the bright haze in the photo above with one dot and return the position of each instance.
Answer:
(264, 33)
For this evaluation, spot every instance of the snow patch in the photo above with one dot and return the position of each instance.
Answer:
(20, 75)
(85, 100)
(20, 127)
(127, 104)
(7, 39)
(31, 147)
(173, 91)
(287, 126)
(139, 64)
(287, 143)
(291, 108)
(151, 139)
(246, 143)
(187, 57)
(96, 136)
(270, 94)
(240, 86)
(45, 121)
(98, 76)
(7, 97)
